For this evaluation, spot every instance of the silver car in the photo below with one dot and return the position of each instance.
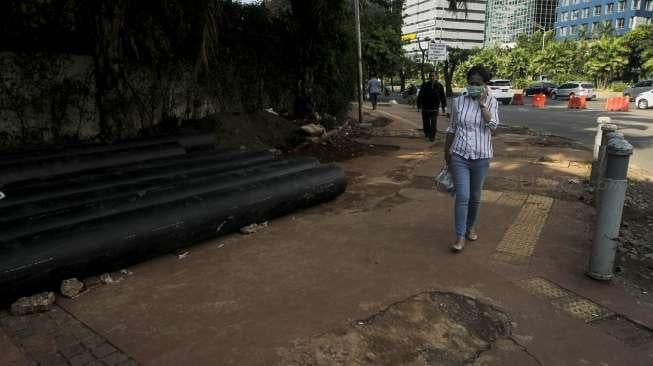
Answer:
(639, 87)
(574, 88)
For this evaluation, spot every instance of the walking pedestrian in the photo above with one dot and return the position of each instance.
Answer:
(468, 150)
(431, 97)
(374, 88)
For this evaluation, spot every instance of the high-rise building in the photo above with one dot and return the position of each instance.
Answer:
(431, 19)
(505, 19)
(577, 17)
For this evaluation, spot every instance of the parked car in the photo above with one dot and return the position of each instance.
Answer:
(541, 87)
(644, 100)
(639, 87)
(574, 88)
(502, 90)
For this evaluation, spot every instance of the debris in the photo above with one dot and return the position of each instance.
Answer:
(71, 288)
(220, 246)
(271, 111)
(183, 255)
(38, 303)
(574, 181)
(253, 228)
(126, 272)
(2, 195)
(106, 279)
(393, 102)
(313, 130)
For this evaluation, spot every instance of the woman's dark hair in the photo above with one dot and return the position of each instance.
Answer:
(480, 71)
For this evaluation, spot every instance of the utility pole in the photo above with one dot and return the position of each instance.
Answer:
(359, 61)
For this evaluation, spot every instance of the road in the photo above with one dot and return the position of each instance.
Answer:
(580, 125)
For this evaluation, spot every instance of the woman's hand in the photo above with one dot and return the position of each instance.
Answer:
(483, 99)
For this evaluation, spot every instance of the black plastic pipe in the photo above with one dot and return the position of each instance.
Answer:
(77, 189)
(16, 172)
(159, 229)
(63, 220)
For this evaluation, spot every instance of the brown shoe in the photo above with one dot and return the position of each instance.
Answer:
(471, 234)
(459, 245)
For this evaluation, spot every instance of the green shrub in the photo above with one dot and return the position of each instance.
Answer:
(618, 86)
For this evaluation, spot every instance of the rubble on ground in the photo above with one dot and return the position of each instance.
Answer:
(253, 228)
(71, 288)
(38, 303)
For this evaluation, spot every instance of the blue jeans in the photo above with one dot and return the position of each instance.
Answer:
(468, 176)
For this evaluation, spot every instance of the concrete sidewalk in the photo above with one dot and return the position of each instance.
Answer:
(369, 279)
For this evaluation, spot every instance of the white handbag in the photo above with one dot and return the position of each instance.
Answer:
(444, 181)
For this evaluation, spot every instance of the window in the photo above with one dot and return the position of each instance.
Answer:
(597, 10)
(636, 5)
(649, 5)
(565, 2)
(620, 23)
(574, 14)
(574, 30)
(586, 12)
(609, 8)
(595, 27)
(587, 86)
(621, 6)
(565, 16)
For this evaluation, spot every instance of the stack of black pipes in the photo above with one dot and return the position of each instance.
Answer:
(80, 211)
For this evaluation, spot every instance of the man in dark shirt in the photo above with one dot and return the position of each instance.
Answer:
(431, 97)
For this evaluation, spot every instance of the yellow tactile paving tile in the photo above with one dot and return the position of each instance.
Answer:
(512, 199)
(582, 309)
(574, 305)
(518, 243)
(490, 196)
(543, 289)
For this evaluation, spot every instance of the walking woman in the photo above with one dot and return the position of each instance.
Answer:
(468, 150)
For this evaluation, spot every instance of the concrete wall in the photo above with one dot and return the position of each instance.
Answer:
(51, 99)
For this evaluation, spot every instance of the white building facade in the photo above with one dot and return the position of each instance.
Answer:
(431, 19)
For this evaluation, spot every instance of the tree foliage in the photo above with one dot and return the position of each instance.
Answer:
(600, 57)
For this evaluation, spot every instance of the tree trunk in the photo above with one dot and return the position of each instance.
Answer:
(109, 68)
(449, 69)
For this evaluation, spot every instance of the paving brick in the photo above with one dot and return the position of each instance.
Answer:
(129, 362)
(64, 341)
(114, 358)
(103, 350)
(47, 358)
(96, 363)
(92, 341)
(23, 333)
(72, 350)
(81, 359)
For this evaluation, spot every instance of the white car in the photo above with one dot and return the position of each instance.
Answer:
(644, 100)
(502, 90)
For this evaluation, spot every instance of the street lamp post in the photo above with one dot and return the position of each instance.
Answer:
(543, 30)
(359, 61)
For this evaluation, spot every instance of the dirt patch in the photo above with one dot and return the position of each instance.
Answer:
(427, 329)
(340, 147)
(568, 188)
(635, 262)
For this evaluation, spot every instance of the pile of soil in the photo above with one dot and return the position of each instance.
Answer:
(258, 130)
(340, 147)
(264, 130)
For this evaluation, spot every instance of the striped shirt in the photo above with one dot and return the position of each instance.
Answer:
(472, 137)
